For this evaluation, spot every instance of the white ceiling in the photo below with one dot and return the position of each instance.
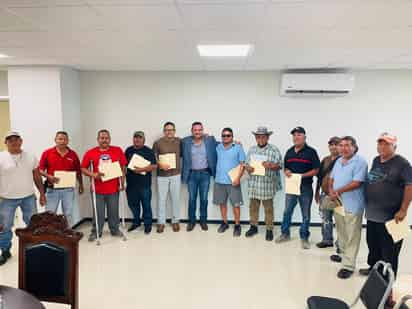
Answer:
(163, 34)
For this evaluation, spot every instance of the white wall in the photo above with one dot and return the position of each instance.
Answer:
(126, 101)
(4, 91)
(35, 105)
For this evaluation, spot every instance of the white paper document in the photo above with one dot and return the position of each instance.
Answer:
(110, 170)
(66, 179)
(292, 184)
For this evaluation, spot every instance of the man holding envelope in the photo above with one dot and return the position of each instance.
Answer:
(167, 152)
(229, 170)
(263, 164)
(110, 159)
(301, 164)
(139, 181)
(61, 166)
(388, 194)
(346, 182)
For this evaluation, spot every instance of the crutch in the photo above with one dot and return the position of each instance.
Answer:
(122, 210)
(95, 206)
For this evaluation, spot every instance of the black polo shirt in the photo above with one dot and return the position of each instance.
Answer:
(138, 180)
(302, 161)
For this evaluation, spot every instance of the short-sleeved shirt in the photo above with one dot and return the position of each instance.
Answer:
(166, 145)
(227, 159)
(51, 160)
(264, 187)
(133, 179)
(303, 161)
(98, 156)
(356, 169)
(199, 156)
(16, 174)
(385, 187)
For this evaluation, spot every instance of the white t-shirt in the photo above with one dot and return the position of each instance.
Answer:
(16, 174)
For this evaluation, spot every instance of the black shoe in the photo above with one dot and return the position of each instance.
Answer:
(133, 227)
(253, 230)
(335, 258)
(4, 257)
(93, 237)
(147, 229)
(223, 227)
(269, 235)
(338, 251)
(324, 244)
(364, 271)
(190, 227)
(204, 226)
(237, 230)
(344, 273)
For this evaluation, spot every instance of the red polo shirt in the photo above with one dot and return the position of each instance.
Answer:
(97, 155)
(51, 160)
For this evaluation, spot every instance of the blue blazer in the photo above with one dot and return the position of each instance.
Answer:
(210, 143)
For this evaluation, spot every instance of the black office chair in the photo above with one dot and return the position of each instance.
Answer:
(402, 303)
(373, 294)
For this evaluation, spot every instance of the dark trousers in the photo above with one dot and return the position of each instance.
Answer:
(137, 198)
(381, 245)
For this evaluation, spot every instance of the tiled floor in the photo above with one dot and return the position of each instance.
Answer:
(205, 270)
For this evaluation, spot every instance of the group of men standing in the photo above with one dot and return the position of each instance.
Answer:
(385, 192)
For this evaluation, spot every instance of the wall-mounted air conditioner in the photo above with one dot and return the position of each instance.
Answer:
(316, 84)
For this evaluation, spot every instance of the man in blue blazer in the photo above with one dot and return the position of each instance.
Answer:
(199, 163)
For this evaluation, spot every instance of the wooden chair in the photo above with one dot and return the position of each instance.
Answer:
(49, 259)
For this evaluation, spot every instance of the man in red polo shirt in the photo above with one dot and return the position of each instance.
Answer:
(56, 159)
(107, 192)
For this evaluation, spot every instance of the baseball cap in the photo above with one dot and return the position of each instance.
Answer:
(389, 138)
(11, 134)
(298, 130)
(139, 134)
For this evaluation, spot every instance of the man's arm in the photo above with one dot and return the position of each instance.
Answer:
(311, 173)
(406, 201)
(39, 185)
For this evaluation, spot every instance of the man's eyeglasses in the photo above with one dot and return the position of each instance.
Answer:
(226, 135)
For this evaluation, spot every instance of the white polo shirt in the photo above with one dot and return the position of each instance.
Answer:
(16, 174)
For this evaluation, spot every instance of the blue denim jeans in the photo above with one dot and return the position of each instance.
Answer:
(305, 202)
(8, 209)
(327, 223)
(140, 198)
(199, 182)
(63, 196)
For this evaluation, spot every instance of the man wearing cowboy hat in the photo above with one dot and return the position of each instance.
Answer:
(262, 188)
(388, 195)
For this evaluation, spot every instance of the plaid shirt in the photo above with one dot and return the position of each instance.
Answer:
(265, 187)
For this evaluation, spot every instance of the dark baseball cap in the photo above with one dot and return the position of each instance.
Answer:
(298, 130)
(139, 134)
(334, 140)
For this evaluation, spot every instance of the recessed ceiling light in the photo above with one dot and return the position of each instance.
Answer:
(4, 56)
(224, 50)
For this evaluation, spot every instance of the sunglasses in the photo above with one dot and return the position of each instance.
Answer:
(226, 135)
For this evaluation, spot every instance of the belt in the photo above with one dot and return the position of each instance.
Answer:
(201, 170)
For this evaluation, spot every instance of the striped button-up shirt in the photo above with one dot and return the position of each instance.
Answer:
(264, 187)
